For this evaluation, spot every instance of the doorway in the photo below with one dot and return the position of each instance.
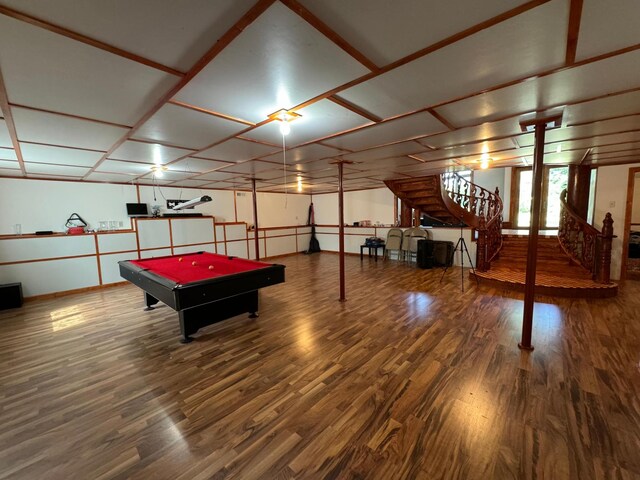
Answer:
(630, 268)
(554, 180)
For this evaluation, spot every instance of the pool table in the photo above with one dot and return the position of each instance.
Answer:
(204, 288)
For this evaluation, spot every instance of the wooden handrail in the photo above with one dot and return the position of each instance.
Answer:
(583, 243)
(478, 208)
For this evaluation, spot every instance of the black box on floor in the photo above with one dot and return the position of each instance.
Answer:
(424, 257)
(443, 254)
(10, 296)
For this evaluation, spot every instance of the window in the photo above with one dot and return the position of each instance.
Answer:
(554, 180)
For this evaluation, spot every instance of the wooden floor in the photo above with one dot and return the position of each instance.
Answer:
(409, 379)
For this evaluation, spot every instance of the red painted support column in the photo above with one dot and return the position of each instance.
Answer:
(341, 230)
(255, 218)
(532, 247)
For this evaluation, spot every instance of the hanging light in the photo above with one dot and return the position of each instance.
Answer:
(285, 117)
(299, 183)
(158, 170)
(484, 161)
(285, 128)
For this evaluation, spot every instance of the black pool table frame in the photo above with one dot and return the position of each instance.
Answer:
(207, 301)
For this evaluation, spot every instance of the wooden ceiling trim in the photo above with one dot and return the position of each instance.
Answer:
(87, 40)
(252, 14)
(260, 142)
(11, 126)
(161, 143)
(211, 112)
(631, 160)
(62, 146)
(517, 81)
(441, 119)
(575, 14)
(354, 108)
(69, 115)
(426, 51)
(608, 155)
(604, 119)
(328, 32)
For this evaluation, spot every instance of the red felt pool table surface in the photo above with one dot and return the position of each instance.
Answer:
(183, 272)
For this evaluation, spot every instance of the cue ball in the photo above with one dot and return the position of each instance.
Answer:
(210, 267)
(194, 263)
(180, 259)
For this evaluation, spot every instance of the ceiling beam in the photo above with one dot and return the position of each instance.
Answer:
(69, 115)
(211, 112)
(354, 108)
(8, 118)
(575, 14)
(328, 32)
(441, 119)
(247, 19)
(87, 40)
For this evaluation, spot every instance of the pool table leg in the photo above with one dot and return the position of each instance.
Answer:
(150, 301)
(184, 328)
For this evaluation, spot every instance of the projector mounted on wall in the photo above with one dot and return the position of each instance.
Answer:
(192, 203)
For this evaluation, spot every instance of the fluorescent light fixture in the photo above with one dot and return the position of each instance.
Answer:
(193, 203)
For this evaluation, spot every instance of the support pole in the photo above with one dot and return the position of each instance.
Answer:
(532, 247)
(341, 230)
(255, 218)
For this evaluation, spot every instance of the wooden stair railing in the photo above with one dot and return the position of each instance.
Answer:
(478, 208)
(583, 243)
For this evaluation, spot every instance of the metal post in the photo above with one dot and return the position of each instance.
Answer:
(341, 230)
(255, 218)
(532, 247)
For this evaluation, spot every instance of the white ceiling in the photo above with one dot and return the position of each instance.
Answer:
(100, 91)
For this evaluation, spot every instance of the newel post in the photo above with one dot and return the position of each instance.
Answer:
(604, 257)
(481, 251)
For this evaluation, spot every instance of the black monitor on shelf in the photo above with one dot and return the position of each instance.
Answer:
(137, 210)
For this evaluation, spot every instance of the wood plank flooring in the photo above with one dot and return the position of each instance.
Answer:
(408, 379)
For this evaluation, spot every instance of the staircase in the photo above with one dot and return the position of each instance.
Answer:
(556, 273)
(574, 263)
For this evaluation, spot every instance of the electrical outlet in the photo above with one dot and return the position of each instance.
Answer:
(612, 204)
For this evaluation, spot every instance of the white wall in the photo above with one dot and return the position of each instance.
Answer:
(375, 205)
(221, 205)
(611, 196)
(274, 209)
(46, 205)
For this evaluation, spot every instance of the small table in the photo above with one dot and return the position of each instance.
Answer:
(371, 247)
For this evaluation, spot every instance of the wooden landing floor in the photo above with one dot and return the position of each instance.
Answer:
(548, 283)
(409, 379)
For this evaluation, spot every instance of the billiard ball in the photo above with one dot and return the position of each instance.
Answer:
(194, 263)
(210, 267)
(180, 259)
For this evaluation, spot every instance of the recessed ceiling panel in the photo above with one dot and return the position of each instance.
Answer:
(151, 181)
(153, 29)
(62, 156)
(617, 125)
(5, 139)
(45, 70)
(616, 148)
(129, 168)
(191, 183)
(237, 150)
(187, 128)
(401, 30)
(386, 163)
(607, 107)
(251, 167)
(147, 152)
(8, 154)
(216, 176)
(405, 128)
(279, 61)
(319, 120)
(567, 86)
(109, 177)
(10, 172)
(170, 175)
(464, 150)
(404, 148)
(9, 164)
(607, 26)
(53, 129)
(418, 169)
(197, 165)
(44, 168)
(307, 153)
(483, 132)
(531, 42)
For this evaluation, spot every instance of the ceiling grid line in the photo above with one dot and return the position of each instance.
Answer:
(87, 40)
